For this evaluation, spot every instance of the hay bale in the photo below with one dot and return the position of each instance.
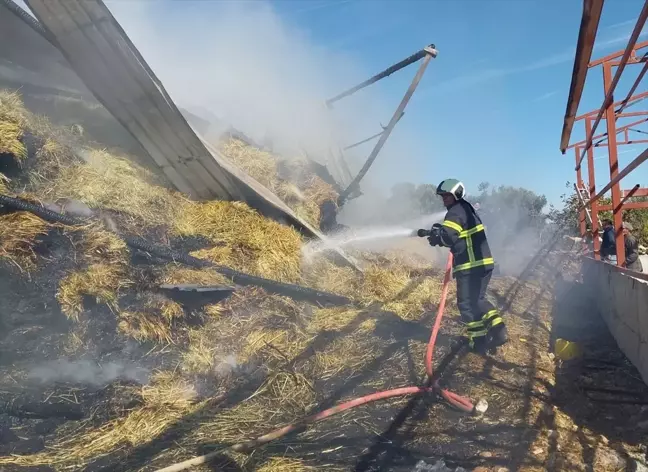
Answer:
(110, 181)
(258, 164)
(301, 189)
(258, 245)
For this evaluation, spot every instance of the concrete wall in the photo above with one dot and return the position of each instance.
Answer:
(623, 303)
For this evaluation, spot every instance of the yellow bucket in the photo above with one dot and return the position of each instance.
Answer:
(567, 350)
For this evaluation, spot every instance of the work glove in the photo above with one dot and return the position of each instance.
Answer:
(435, 238)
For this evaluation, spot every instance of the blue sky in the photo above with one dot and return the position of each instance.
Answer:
(491, 106)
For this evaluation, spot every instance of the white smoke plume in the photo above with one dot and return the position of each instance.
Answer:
(87, 372)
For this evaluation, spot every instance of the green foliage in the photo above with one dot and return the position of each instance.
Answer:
(519, 206)
(514, 207)
(567, 216)
(415, 200)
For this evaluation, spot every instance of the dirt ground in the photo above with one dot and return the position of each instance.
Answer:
(544, 414)
(102, 370)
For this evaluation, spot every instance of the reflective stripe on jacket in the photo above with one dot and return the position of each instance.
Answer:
(463, 232)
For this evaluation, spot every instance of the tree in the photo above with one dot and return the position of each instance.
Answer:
(411, 200)
(567, 216)
(517, 207)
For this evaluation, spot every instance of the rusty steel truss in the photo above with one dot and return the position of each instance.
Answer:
(615, 135)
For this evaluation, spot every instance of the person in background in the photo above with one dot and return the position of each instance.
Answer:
(632, 260)
(608, 245)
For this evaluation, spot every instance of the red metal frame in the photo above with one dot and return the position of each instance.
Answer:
(612, 66)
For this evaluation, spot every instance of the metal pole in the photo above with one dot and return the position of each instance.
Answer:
(640, 77)
(370, 137)
(383, 138)
(363, 141)
(579, 185)
(387, 72)
(602, 136)
(591, 177)
(614, 164)
(586, 36)
(628, 195)
(611, 86)
(634, 100)
(640, 159)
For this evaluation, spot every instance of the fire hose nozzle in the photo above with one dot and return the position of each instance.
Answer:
(422, 233)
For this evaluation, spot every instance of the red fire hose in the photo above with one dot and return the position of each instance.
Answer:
(455, 400)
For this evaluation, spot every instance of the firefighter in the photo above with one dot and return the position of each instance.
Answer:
(463, 232)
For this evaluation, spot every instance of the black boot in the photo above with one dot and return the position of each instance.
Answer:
(478, 345)
(497, 336)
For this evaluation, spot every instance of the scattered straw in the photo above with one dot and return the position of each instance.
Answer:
(101, 281)
(283, 398)
(18, 234)
(273, 343)
(200, 356)
(4, 183)
(421, 295)
(99, 245)
(145, 326)
(260, 165)
(304, 192)
(335, 319)
(167, 400)
(53, 150)
(258, 245)
(344, 354)
(283, 464)
(324, 275)
(12, 108)
(10, 141)
(113, 182)
(177, 274)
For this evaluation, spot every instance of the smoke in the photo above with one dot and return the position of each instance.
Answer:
(516, 228)
(87, 372)
(240, 64)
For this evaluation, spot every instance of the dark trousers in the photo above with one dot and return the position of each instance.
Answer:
(636, 266)
(471, 294)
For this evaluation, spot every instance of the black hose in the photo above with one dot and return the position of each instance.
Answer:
(240, 278)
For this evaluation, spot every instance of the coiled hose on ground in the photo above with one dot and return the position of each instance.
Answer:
(239, 278)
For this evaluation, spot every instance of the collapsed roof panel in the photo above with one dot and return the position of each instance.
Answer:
(105, 59)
